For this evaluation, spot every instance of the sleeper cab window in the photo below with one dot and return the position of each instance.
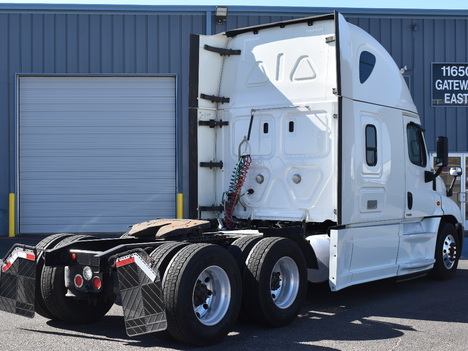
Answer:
(366, 65)
(416, 146)
(371, 145)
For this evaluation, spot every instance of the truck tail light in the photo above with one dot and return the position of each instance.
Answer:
(78, 281)
(97, 283)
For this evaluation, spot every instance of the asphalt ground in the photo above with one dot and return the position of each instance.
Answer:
(419, 314)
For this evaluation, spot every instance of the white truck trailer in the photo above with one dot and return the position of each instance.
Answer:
(309, 164)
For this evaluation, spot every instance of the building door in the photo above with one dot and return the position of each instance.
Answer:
(96, 153)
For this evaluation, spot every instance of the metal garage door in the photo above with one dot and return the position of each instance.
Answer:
(96, 154)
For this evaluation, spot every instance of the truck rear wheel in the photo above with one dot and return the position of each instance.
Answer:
(71, 309)
(44, 244)
(447, 252)
(164, 253)
(275, 281)
(202, 294)
(241, 248)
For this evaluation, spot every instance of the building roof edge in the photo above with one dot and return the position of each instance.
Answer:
(254, 10)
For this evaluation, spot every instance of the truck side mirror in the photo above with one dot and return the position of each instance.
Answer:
(442, 152)
(441, 160)
(455, 172)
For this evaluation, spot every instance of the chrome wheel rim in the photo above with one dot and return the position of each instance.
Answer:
(284, 282)
(211, 295)
(449, 251)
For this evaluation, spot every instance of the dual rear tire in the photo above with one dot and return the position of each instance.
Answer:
(274, 276)
(202, 294)
(205, 286)
(51, 299)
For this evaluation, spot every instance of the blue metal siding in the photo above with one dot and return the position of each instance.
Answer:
(439, 40)
(87, 43)
(82, 43)
(6, 143)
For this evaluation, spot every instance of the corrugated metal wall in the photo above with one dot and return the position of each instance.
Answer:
(87, 42)
(100, 39)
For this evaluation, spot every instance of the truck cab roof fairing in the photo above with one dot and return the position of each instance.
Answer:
(353, 41)
(384, 86)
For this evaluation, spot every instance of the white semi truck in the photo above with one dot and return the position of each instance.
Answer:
(308, 163)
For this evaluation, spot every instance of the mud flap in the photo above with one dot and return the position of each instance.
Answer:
(17, 282)
(142, 297)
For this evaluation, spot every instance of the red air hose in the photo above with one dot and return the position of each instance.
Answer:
(235, 188)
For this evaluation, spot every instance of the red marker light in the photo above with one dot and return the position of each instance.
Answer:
(78, 281)
(97, 283)
(73, 256)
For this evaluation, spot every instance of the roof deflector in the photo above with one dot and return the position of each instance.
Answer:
(256, 29)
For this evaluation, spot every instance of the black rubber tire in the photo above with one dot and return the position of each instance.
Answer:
(179, 284)
(46, 243)
(258, 279)
(69, 309)
(163, 254)
(72, 238)
(447, 252)
(241, 248)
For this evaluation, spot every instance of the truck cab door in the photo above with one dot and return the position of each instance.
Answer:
(420, 196)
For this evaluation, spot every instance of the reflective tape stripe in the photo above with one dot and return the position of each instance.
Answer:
(6, 266)
(17, 253)
(124, 261)
(135, 258)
